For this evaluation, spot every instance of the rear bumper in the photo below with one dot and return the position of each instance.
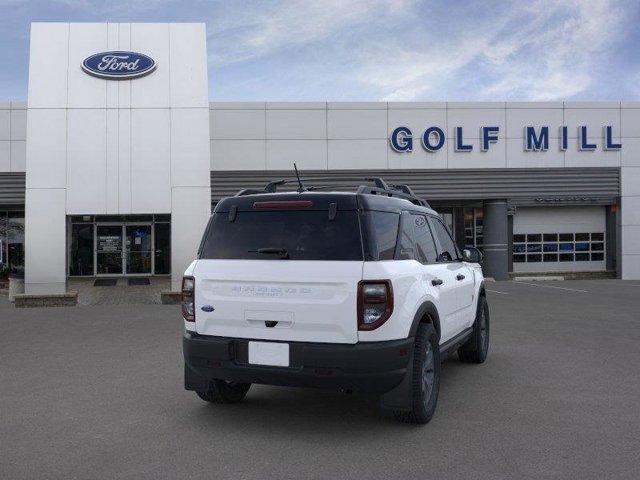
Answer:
(375, 367)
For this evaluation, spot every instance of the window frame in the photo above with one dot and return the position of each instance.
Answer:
(439, 247)
(415, 240)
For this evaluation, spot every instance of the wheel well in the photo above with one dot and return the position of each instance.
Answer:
(427, 318)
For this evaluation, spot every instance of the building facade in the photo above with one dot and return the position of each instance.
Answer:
(117, 176)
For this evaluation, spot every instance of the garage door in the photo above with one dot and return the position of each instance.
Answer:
(559, 239)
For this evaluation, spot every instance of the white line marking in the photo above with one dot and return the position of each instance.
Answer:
(551, 286)
(496, 291)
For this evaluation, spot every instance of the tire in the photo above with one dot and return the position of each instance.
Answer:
(475, 349)
(425, 383)
(221, 391)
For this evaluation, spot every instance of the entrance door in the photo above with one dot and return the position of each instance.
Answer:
(108, 249)
(138, 248)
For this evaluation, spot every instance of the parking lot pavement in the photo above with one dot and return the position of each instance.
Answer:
(96, 392)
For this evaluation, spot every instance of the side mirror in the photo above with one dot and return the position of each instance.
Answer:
(472, 255)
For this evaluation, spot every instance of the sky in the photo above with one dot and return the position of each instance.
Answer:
(377, 50)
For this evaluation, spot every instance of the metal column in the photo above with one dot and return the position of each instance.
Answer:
(496, 254)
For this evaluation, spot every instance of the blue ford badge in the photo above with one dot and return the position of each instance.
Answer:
(118, 65)
(207, 308)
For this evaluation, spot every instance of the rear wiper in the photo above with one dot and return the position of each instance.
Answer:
(282, 252)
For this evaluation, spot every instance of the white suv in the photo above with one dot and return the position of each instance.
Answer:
(363, 291)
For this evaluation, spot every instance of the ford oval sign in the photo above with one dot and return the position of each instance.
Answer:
(118, 65)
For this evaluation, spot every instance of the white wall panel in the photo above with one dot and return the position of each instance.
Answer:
(5, 156)
(152, 91)
(592, 118)
(124, 86)
(86, 91)
(418, 158)
(350, 154)
(296, 124)
(495, 157)
(124, 161)
(517, 157)
(5, 124)
(472, 119)
(238, 155)
(631, 239)
(190, 164)
(630, 211)
(238, 124)
(86, 161)
(48, 62)
(307, 154)
(18, 156)
(188, 72)
(113, 43)
(18, 124)
(598, 158)
(190, 208)
(630, 153)
(630, 120)
(47, 148)
(418, 120)
(357, 124)
(150, 161)
(630, 181)
(111, 162)
(45, 241)
(518, 118)
(630, 267)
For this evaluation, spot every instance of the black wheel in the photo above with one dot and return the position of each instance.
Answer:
(476, 348)
(426, 377)
(221, 391)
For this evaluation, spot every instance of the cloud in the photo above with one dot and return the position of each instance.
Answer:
(548, 50)
(408, 50)
(263, 28)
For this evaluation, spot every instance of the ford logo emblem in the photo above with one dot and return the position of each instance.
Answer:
(118, 65)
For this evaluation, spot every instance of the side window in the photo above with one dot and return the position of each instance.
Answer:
(405, 249)
(447, 251)
(385, 232)
(425, 245)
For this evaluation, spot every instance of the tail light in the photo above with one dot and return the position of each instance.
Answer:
(188, 305)
(375, 303)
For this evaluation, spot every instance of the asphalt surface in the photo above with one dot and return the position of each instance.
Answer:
(96, 392)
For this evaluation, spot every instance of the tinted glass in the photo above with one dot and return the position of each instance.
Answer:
(81, 250)
(303, 235)
(382, 228)
(425, 245)
(406, 250)
(448, 249)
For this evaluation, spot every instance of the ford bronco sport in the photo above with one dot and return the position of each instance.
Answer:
(358, 291)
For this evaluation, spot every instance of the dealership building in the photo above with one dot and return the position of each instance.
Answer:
(113, 164)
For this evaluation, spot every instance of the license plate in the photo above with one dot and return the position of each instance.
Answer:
(269, 353)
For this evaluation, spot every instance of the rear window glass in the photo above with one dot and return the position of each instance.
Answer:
(382, 233)
(274, 235)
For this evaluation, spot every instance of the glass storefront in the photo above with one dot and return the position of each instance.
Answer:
(120, 245)
(11, 242)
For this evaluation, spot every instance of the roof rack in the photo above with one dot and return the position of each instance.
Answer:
(379, 187)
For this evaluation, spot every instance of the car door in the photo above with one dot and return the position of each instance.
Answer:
(438, 278)
(462, 274)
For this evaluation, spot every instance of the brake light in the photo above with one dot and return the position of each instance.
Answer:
(282, 204)
(375, 303)
(188, 305)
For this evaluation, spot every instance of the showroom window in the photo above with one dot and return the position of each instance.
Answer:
(11, 242)
(558, 247)
(473, 227)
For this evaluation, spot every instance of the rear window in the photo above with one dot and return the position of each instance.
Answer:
(381, 233)
(274, 235)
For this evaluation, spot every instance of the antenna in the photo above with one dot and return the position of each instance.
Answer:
(300, 187)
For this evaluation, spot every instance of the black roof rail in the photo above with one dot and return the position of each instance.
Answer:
(380, 187)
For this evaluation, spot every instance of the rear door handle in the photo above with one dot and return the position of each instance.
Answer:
(459, 277)
(436, 281)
